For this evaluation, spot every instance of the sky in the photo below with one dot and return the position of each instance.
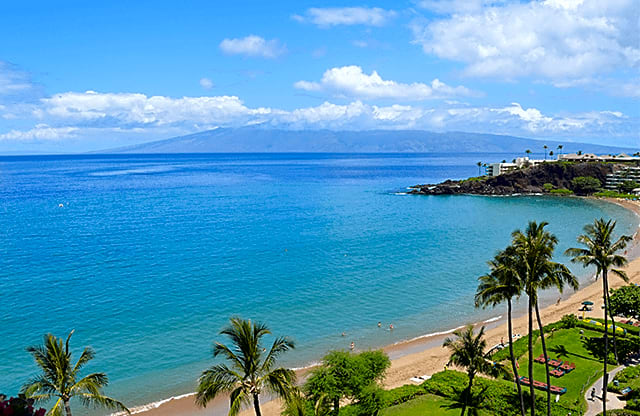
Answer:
(86, 75)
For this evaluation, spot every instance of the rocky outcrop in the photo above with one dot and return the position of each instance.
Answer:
(524, 181)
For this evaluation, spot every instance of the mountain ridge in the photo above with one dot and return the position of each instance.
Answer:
(261, 140)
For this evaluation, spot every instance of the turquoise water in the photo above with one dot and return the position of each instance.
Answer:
(150, 255)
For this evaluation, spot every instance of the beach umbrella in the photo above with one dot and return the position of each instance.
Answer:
(587, 302)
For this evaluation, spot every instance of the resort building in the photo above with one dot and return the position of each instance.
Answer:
(495, 169)
(590, 157)
(624, 173)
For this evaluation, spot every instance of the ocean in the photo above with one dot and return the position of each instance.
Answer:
(147, 256)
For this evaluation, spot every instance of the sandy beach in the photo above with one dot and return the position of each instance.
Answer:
(426, 356)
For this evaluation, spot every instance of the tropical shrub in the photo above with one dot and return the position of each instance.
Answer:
(346, 375)
(561, 191)
(615, 194)
(569, 321)
(627, 187)
(625, 301)
(585, 185)
(548, 187)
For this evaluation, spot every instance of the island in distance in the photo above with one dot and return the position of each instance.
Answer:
(265, 140)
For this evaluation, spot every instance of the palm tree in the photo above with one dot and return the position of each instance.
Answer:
(60, 378)
(467, 351)
(479, 165)
(550, 153)
(545, 151)
(560, 148)
(528, 152)
(501, 285)
(534, 252)
(600, 251)
(251, 371)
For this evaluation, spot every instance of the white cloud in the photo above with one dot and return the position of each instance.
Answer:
(334, 16)
(40, 132)
(253, 45)
(552, 39)
(351, 81)
(206, 83)
(128, 116)
(132, 108)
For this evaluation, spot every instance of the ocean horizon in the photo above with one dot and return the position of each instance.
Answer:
(147, 256)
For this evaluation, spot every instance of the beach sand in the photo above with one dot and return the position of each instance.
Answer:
(429, 356)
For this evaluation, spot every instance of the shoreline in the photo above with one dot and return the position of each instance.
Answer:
(424, 355)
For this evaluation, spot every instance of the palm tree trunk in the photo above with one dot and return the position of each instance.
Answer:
(546, 359)
(67, 408)
(531, 391)
(256, 405)
(467, 394)
(513, 358)
(607, 307)
(605, 378)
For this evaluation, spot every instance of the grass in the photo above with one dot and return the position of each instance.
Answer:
(429, 404)
(566, 345)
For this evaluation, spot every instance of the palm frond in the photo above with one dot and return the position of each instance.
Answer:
(280, 382)
(237, 398)
(87, 355)
(102, 401)
(280, 345)
(215, 380)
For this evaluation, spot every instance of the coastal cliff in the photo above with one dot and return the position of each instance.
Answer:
(530, 180)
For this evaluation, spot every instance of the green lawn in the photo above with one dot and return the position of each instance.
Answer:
(566, 345)
(428, 404)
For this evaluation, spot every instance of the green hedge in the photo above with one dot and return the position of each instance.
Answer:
(500, 397)
(403, 394)
(615, 194)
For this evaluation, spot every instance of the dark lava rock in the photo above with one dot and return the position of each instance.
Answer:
(523, 181)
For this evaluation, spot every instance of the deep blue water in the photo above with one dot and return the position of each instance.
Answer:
(150, 255)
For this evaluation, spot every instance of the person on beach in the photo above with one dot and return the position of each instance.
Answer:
(502, 341)
(379, 324)
(344, 334)
(353, 345)
(390, 327)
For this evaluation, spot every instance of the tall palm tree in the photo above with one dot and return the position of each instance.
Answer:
(528, 152)
(600, 251)
(467, 351)
(252, 368)
(545, 151)
(560, 148)
(60, 379)
(479, 165)
(534, 253)
(501, 285)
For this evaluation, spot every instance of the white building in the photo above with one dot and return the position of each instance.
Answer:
(625, 173)
(495, 169)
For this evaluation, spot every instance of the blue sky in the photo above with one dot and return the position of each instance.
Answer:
(81, 75)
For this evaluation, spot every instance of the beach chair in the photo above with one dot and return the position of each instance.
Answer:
(539, 359)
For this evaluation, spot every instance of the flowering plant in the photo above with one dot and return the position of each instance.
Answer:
(18, 406)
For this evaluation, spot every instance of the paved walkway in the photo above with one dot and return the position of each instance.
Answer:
(595, 406)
